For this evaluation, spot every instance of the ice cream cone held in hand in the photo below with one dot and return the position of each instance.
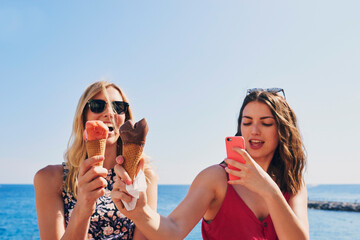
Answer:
(133, 138)
(95, 135)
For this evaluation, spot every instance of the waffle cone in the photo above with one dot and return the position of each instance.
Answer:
(132, 155)
(96, 147)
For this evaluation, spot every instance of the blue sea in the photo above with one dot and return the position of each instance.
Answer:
(18, 212)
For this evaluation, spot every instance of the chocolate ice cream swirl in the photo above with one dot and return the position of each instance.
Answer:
(134, 133)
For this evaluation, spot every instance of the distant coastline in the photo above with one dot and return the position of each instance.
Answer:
(335, 206)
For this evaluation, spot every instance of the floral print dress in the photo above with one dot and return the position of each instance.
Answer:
(106, 222)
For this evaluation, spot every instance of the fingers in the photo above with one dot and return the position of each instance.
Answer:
(121, 173)
(236, 164)
(91, 190)
(89, 183)
(245, 176)
(92, 173)
(115, 198)
(88, 163)
(237, 173)
(237, 169)
(120, 195)
(119, 159)
(90, 196)
(92, 177)
(95, 194)
(119, 191)
(234, 182)
(119, 185)
(97, 183)
(245, 155)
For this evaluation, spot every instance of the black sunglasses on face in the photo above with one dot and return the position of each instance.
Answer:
(98, 106)
(270, 90)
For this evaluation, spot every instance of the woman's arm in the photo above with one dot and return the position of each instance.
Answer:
(151, 194)
(290, 220)
(182, 220)
(50, 206)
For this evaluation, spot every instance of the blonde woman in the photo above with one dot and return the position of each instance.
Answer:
(73, 199)
(269, 201)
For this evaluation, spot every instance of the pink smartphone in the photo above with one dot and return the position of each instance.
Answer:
(231, 142)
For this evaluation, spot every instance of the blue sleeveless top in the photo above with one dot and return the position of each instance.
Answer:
(106, 222)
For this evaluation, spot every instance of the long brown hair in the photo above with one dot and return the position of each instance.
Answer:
(289, 159)
(76, 151)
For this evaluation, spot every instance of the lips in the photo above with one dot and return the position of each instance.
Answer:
(112, 131)
(255, 143)
(109, 125)
(111, 128)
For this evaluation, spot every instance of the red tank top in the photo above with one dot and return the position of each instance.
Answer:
(235, 220)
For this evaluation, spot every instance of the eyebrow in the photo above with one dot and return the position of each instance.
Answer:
(266, 117)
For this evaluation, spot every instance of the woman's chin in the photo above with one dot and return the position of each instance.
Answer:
(111, 140)
(255, 154)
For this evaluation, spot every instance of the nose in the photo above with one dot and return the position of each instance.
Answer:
(255, 130)
(108, 111)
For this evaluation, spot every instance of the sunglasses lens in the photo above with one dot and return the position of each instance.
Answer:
(120, 107)
(97, 106)
(274, 90)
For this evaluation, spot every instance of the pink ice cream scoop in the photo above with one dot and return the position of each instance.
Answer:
(95, 135)
(95, 130)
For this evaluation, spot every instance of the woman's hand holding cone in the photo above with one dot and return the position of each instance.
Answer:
(119, 188)
(91, 183)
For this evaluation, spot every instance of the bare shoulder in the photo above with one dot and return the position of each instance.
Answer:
(151, 175)
(211, 182)
(214, 172)
(300, 197)
(50, 176)
(213, 176)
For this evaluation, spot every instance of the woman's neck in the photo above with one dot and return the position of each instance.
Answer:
(264, 162)
(110, 156)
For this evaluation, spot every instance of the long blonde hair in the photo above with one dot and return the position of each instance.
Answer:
(76, 150)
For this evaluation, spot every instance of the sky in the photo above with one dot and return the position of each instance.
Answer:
(185, 66)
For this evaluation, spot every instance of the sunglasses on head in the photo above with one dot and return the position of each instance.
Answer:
(98, 106)
(270, 90)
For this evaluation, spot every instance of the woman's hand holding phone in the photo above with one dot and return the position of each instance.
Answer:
(247, 172)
